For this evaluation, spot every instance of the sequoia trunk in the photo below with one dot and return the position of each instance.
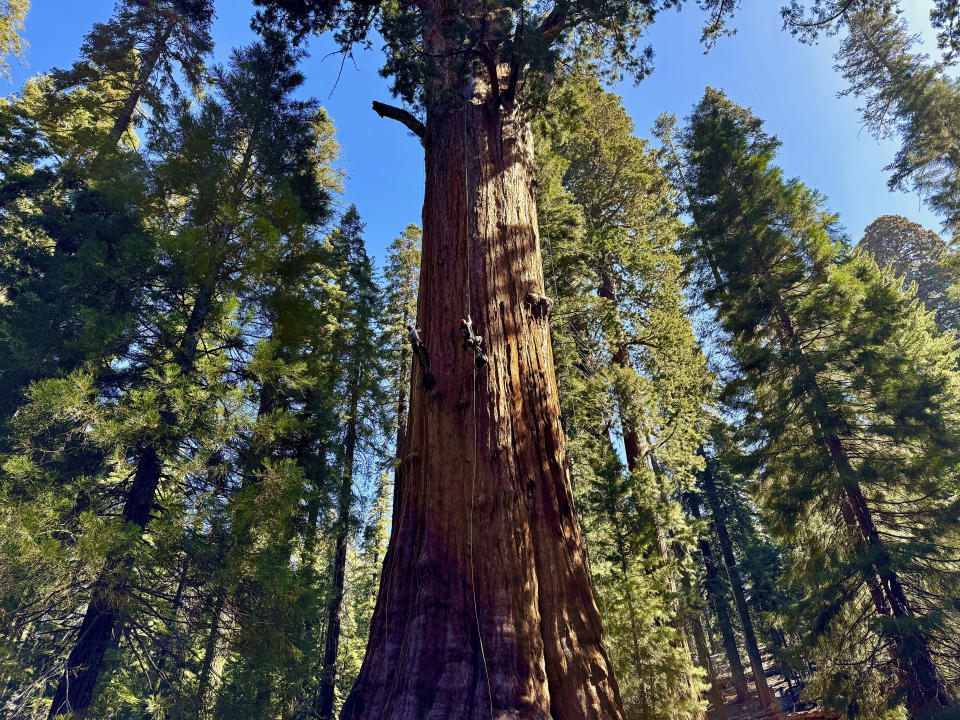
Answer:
(486, 607)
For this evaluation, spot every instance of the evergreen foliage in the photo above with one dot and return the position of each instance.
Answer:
(920, 257)
(12, 14)
(205, 381)
(632, 382)
(848, 392)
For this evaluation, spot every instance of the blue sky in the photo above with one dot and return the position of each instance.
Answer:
(791, 86)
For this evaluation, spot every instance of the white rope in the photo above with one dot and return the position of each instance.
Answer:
(473, 484)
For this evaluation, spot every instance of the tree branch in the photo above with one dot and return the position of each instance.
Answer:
(554, 23)
(483, 52)
(516, 64)
(401, 116)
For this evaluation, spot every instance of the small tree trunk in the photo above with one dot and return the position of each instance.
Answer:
(75, 689)
(147, 65)
(209, 652)
(718, 708)
(736, 585)
(486, 605)
(96, 635)
(165, 655)
(633, 450)
(715, 590)
(325, 695)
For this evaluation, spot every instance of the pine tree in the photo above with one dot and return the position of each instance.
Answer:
(12, 15)
(719, 522)
(903, 92)
(715, 589)
(364, 416)
(223, 230)
(141, 48)
(622, 330)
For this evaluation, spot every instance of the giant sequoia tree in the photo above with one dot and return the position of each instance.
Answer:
(486, 606)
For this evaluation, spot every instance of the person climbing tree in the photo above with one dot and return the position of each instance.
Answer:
(422, 356)
(486, 461)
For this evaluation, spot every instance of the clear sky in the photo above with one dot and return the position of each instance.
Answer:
(791, 86)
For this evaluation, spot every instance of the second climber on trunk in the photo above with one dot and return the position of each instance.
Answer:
(472, 341)
(423, 358)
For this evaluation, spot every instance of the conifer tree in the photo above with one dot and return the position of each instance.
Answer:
(644, 373)
(141, 49)
(12, 15)
(475, 71)
(716, 591)
(77, 257)
(364, 418)
(921, 257)
(904, 93)
(402, 277)
(719, 523)
(851, 396)
(217, 238)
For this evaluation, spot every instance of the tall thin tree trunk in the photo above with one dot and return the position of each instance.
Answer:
(714, 589)
(165, 655)
(209, 652)
(96, 635)
(633, 451)
(718, 708)
(486, 605)
(325, 695)
(75, 688)
(736, 585)
(148, 64)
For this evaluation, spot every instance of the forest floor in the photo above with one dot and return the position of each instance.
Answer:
(749, 710)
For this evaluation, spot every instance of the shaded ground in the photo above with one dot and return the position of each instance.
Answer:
(750, 710)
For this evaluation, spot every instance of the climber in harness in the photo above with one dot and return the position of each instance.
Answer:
(472, 341)
(420, 352)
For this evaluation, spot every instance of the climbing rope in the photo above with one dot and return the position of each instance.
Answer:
(473, 484)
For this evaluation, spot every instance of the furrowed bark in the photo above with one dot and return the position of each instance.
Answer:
(486, 606)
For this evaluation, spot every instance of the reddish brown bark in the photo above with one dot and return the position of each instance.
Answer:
(636, 456)
(484, 544)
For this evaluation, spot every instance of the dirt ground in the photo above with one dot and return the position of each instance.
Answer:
(750, 710)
